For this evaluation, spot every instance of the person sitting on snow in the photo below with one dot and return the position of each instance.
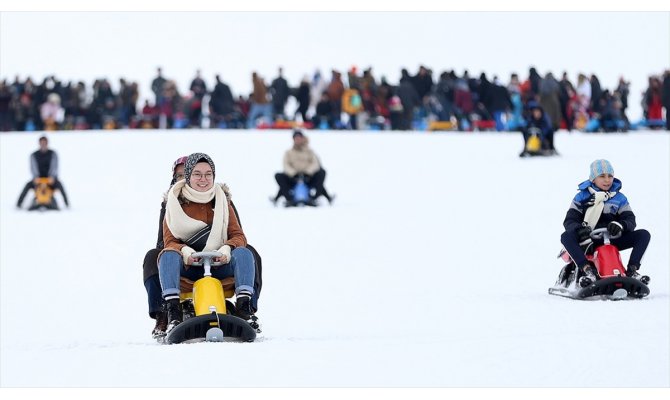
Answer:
(200, 217)
(599, 203)
(43, 164)
(300, 162)
(538, 123)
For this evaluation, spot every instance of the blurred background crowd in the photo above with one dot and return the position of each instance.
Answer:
(355, 99)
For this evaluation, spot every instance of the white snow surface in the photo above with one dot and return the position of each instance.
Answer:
(430, 269)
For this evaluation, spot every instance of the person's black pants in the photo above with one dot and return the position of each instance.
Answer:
(637, 240)
(31, 185)
(316, 181)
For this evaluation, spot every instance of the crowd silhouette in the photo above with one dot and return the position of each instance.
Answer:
(355, 100)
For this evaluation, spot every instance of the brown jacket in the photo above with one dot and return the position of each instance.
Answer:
(260, 93)
(205, 213)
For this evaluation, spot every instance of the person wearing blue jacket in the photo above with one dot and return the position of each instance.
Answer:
(600, 203)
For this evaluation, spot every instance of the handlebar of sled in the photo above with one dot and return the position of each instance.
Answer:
(602, 233)
(206, 260)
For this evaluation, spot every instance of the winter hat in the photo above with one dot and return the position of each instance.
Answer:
(599, 167)
(177, 162)
(532, 104)
(181, 160)
(297, 132)
(194, 159)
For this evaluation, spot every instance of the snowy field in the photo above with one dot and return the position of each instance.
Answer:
(431, 268)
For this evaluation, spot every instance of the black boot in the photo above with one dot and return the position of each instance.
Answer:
(243, 306)
(188, 310)
(590, 276)
(631, 272)
(564, 275)
(161, 323)
(174, 314)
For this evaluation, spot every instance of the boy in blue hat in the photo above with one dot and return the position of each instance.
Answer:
(599, 204)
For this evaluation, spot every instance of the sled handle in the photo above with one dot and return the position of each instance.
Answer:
(206, 257)
(602, 233)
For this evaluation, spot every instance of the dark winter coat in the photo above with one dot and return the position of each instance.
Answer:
(408, 95)
(616, 208)
(222, 99)
(44, 165)
(280, 92)
(543, 124)
(666, 94)
(499, 98)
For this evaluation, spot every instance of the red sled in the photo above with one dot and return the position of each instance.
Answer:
(611, 283)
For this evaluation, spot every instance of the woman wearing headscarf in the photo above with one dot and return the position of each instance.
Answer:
(199, 217)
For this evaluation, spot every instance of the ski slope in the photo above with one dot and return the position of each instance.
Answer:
(431, 268)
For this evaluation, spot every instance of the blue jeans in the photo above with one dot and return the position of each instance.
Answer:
(241, 266)
(257, 110)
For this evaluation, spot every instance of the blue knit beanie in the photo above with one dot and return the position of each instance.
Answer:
(599, 167)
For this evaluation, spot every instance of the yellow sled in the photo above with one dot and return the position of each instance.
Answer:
(211, 322)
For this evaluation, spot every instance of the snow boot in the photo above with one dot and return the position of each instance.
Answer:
(188, 310)
(161, 323)
(174, 314)
(590, 276)
(243, 306)
(631, 272)
(564, 275)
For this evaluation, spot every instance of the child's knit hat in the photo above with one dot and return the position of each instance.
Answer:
(599, 167)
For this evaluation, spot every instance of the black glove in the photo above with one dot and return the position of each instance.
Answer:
(614, 228)
(590, 201)
(583, 233)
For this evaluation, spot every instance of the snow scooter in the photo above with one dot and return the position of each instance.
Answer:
(212, 321)
(300, 195)
(613, 283)
(44, 196)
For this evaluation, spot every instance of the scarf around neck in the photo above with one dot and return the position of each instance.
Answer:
(183, 227)
(592, 214)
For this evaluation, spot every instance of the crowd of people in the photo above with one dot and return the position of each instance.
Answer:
(355, 101)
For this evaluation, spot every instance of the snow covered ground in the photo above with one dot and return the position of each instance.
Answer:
(430, 270)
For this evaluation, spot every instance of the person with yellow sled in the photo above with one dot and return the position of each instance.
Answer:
(538, 134)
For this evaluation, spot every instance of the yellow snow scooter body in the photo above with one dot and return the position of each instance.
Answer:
(211, 322)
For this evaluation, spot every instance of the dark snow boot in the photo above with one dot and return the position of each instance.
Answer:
(161, 323)
(590, 276)
(564, 275)
(188, 310)
(243, 306)
(174, 314)
(631, 272)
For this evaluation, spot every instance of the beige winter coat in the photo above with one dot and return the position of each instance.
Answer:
(301, 160)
